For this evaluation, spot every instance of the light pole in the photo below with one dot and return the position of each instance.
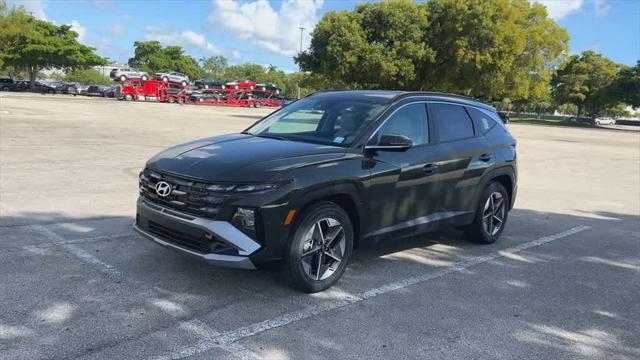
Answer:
(300, 69)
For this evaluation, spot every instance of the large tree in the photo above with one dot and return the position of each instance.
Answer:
(378, 45)
(587, 81)
(484, 48)
(150, 56)
(213, 67)
(32, 45)
(627, 85)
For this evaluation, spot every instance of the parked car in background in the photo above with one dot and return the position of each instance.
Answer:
(269, 87)
(605, 121)
(173, 77)
(68, 89)
(241, 84)
(209, 84)
(206, 96)
(95, 90)
(44, 88)
(22, 85)
(112, 92)
(7, 84)
(127, 73)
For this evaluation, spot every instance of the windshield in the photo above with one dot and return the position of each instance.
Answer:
(320, 119)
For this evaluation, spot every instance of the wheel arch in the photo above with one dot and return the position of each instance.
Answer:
(506, 177)
(346, 196)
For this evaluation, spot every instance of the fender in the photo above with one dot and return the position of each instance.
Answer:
(506, 169)
(350, 189)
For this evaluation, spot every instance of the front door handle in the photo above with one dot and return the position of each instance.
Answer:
(486, 157)
(430, 168)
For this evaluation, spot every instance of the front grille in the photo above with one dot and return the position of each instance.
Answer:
(186, 195)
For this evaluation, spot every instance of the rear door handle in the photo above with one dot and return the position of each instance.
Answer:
(430, 168)
(485, 157)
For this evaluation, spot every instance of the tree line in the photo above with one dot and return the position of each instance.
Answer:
(500, 51)
(506, 52)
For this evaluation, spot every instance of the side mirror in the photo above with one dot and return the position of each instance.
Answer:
(391, 142)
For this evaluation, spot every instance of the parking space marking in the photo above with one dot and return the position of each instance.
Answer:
(76, 251)
(70, 241)
(227, 339)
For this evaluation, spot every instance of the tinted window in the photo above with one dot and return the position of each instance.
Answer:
(410, 121)
(452, 122)
(482, 121)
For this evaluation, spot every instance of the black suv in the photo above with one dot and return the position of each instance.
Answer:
(314, 180)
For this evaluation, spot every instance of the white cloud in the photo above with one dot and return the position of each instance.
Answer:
(186, 38)
(77, 27)
(34, 7)
(256, 21)
(558, 9)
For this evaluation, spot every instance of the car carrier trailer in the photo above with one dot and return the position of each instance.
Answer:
(161, 91)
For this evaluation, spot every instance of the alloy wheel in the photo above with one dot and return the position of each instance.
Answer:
(323, 249)
(493, 213)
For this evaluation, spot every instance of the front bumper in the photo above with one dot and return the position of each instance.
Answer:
(180, 223)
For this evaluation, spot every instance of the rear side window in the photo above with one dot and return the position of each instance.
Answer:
(410, 121)
(452, 122)
(481, 120)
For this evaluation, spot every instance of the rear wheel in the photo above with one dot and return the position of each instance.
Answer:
(491, 215)
(128, 97)
(165, 79)
(184, 83)
(5, 88)
(320, 247)
(123, 78)
(144, 77)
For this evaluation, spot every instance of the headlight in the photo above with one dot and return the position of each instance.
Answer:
(255, 187)
(242, 188)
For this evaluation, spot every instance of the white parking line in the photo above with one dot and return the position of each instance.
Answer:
(75, 250)
(226, 340)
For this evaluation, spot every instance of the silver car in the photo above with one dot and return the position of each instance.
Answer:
(127, 73)
(605, 121)
(173, 77)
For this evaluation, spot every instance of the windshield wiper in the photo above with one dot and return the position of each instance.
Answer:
(269, 136)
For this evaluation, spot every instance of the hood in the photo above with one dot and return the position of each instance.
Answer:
(240, 158)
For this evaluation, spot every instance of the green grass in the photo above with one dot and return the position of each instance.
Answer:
(534, 121)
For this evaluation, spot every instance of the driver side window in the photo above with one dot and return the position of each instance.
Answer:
(410, 121)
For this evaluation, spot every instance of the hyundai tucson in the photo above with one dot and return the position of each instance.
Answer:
(313, 181)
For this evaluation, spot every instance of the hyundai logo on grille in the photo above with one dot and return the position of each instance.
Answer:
(163, 188)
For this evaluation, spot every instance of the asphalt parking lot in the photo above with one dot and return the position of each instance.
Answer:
(76, 282)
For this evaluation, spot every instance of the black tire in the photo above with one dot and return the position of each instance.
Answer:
(293, 267)
(165, 79)
(123, 78)
(128, 97)
(184, 83)
(171, 100)
(5, 88)
(144, 77)
(480, 230)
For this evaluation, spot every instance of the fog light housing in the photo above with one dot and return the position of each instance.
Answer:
(245, 220)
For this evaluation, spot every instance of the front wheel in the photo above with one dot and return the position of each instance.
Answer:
(320, 247)
(184, 83)
(123, 78)
(144, 77)
(491, 215)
